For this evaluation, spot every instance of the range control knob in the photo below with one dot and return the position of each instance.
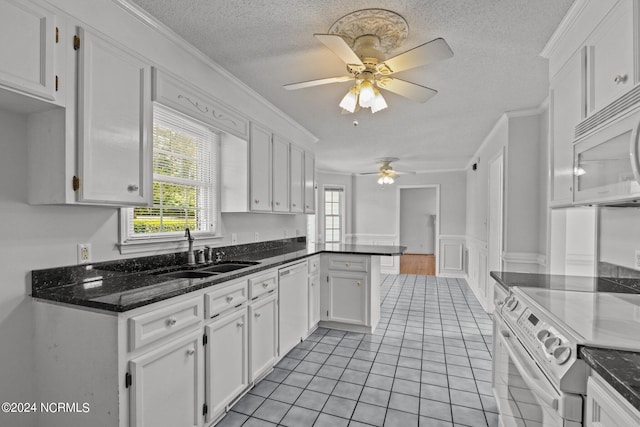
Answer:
(551, 343)
(512, 303)
(543, 334)
(562, 353)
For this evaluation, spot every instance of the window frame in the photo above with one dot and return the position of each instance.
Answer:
(341, 190)
(176, 240)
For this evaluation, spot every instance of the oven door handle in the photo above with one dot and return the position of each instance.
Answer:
(541, 393)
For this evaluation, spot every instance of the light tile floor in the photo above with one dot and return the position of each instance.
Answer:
(428, 364)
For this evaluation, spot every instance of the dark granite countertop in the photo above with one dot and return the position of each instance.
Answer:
(123, 285)
(567, 283)
(621, 369)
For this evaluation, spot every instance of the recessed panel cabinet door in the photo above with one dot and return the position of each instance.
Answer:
(348, 297)
(566, 110)
(27, 55)
(227, 362)
(297, 179)
(260, 155)
(264, 335)
(309, 183)
(166, 385)
(280, 175)
(114, 124)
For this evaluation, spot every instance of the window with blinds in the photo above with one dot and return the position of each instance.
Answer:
(184, 178)
(333, 212)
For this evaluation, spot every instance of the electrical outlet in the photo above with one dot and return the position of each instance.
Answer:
(256, 237)
(637, 259)
(234, 238)
(298, 232)
(285, 232)
(84, 253)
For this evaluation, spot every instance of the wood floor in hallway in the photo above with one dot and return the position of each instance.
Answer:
(418, 264)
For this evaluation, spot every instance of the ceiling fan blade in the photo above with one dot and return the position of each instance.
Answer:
(310, 83)
(338, 46)
(368, 173)
(435, 50)
(407, 89)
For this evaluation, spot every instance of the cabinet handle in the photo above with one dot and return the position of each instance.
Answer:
(346, 264)
(191, 352)
(264, 285)
(620, 79)
(358, 283)
(240, 324)
(132, 187)
(172, 321)
(257, 314)
(294, 205)
(277, 203)
(307, 206)
(257, 202)
(229, 299)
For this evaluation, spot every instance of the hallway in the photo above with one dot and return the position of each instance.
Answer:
(427, 364)
(424, 265)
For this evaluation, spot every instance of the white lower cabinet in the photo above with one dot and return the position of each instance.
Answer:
(166, 384)
(314, 300)
(606, 407)
(263, 347)
(347, 297)
(227, 361)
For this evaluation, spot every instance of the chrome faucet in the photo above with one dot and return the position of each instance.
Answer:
(191, 259)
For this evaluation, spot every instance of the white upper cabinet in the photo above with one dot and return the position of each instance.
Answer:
(565, 113)
(309, 183)
(610, 56)
(280, 174)
(114, 124)
(296, 194)
(27, 48)
(260, 172)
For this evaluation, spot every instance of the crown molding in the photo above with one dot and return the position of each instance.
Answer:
(564, 27)
(150, 21)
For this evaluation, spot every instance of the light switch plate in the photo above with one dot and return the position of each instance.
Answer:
(256, 237)
(234, 238)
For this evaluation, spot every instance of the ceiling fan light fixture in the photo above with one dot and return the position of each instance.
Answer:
(367, 94)
(378, 103)
(385, 180)
(350, 100)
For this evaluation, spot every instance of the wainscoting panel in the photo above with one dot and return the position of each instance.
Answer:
(451, 256)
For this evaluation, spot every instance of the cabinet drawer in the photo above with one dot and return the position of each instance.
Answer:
(349, 263)
(262, 284)
(230, 296)
(314, 264)
(149, 327)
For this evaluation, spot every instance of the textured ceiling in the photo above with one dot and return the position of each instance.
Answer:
(496, 68)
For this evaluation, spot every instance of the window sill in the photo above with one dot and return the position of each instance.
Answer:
(166, 244)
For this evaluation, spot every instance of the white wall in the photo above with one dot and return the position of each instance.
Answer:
(417, 219)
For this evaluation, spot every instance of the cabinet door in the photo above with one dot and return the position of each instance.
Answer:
(348, 297)
(606, 407)
(296, 194)
(27, 49)
(566, 110)
(293, 306)
(280, 175)
(611, 61)
(263, 315)
(114, 124)
(309, 183)
(314, 299)
(260, 163)
(227, 361)
(166, 385)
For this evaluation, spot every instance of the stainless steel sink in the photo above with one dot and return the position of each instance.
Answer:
(229, 266)
(188, 274)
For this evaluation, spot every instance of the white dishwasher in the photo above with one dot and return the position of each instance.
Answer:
(293, 305)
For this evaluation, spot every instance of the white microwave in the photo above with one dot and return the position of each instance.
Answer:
(606, 168)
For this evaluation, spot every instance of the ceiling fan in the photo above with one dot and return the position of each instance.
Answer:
(386, 173)
(362, 40)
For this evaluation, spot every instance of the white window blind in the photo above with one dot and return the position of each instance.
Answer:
(184, 178)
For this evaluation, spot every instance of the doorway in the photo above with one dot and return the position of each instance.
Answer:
(418, 219)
